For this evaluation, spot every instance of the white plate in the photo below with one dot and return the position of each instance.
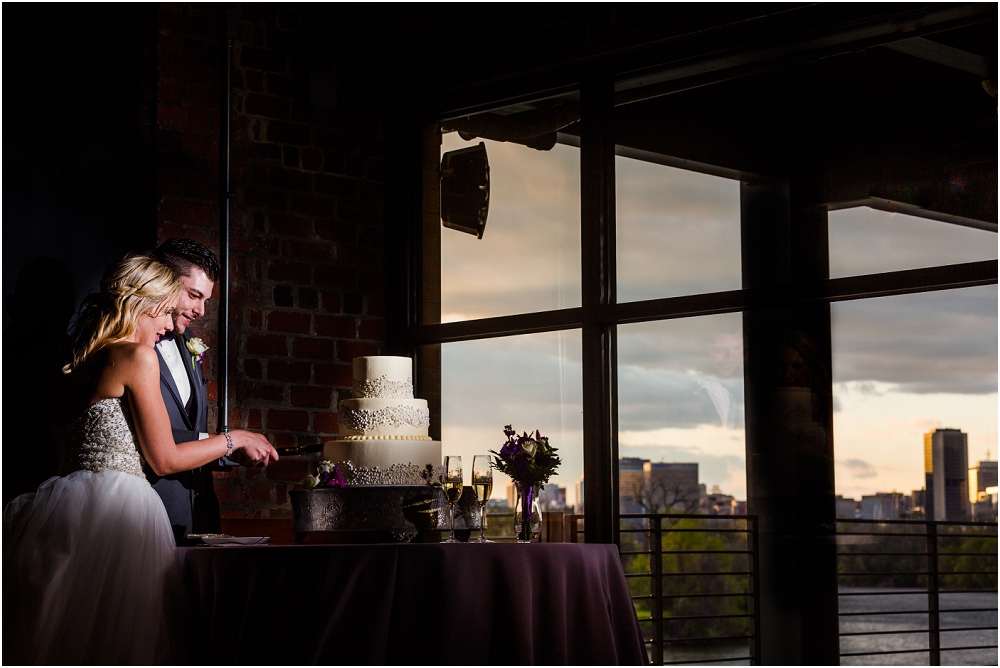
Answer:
(236, 540)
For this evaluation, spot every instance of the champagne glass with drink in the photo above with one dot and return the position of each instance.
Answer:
(452, 490)
(482, 482)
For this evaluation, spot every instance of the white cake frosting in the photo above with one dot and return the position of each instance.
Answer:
(383, 424)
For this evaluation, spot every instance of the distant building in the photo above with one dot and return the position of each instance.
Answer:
(918, 500)
(741, 508)
(882, 506)
(497, 505)
(673, 486)
(579, 494)
(982, 478)
(847, 509)
(717, 504)
(553, 497)
(946, 468)
(631, 484)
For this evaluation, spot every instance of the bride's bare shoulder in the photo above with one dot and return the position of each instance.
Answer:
(131, 356)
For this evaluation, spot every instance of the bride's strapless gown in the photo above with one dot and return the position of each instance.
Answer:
(88, 557)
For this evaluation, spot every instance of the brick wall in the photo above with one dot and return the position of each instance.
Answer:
(307, 283)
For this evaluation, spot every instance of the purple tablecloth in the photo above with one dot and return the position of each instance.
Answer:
(410, 604)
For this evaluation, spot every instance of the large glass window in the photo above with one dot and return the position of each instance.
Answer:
(530, 382)
(678, 231)
(529, 257)
(902, 368)
(680, 401)
(868, 241)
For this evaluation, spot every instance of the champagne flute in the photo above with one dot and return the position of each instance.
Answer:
(452, 485)
(482, 482)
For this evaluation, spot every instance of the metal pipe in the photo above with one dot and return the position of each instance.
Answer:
(227, 31)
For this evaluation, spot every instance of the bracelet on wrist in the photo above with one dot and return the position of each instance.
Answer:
(229, 444)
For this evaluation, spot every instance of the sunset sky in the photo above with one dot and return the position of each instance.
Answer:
(901, 365)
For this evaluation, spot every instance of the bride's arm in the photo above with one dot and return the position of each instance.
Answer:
(141, 377)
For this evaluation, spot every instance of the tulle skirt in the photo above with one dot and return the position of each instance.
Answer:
(89, 574)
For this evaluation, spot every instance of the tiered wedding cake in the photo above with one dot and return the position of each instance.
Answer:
(383, 424)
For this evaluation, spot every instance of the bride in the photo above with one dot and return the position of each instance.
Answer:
(88, 559)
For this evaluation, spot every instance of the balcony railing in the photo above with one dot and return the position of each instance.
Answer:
(917, 589)
(693, 580)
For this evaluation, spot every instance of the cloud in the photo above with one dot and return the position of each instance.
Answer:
(860, 468)
(934, 342)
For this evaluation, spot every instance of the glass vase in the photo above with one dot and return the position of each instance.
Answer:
(526, 506)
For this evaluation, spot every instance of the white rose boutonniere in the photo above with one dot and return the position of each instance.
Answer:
(197, 348)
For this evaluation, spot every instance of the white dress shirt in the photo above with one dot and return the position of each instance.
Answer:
(172, 356)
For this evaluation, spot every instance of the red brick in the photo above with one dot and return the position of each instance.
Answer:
(186, 213)
(311, 205)
(288, 468)
(348, 350)
(288, 133)
(334, 325)
(260, 391)
(287, 420)
(254, 419)
(370, 329)
(264, 344)
(325, 423)
(289, 372)
(281, 494)
(261, 493)
(336, 277)
(342, 233)
(334, 375)
(266, 105)
(289, 179)
(282, 440)
(313, 397)
(294, 272)
(330, 302)
(255, 317)
(169, 92)
(227, 474)
(337, 185)
(285, 321)
(224, 492)
(197, 95)
(271, 200)
(321, 349)
(293, 226)
(311, 159)
(312, 251)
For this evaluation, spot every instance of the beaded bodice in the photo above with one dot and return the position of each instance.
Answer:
(102, 437)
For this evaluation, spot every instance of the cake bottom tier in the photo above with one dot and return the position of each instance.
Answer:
(383, 454)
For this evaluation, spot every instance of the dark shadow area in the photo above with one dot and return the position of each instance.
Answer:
(78, 193)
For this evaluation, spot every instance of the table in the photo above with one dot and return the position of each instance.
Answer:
(410, 604)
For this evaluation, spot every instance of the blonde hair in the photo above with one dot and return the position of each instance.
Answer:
(135, 285)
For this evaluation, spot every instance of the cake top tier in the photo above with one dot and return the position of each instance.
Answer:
(383, 378)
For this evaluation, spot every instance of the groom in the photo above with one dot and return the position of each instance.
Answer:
(189, 497)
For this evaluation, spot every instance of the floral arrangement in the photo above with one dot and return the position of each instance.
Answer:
(526, 459)
(328, 475)
(197, 348)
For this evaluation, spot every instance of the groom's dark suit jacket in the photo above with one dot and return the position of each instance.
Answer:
(189, 496)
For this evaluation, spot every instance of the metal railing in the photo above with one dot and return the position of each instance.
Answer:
(888, 567)
(694, 585)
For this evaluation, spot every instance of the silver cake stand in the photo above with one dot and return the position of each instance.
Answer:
(398, 511)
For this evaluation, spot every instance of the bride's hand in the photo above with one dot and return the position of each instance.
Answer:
(255, 447)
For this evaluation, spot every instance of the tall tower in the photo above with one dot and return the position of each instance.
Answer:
(946, 471)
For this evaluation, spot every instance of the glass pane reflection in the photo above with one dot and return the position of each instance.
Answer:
(529, 257)
(530, 382)
(868, 241)
(680, 385)
(678, 231)
(903, 367)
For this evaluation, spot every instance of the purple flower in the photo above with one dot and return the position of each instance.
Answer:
(332, 478)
